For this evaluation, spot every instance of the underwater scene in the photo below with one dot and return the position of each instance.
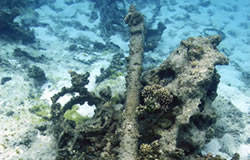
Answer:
(124, 80)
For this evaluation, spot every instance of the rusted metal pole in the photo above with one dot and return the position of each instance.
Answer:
(129, 139)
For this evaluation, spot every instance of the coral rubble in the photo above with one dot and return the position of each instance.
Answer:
(94, 138)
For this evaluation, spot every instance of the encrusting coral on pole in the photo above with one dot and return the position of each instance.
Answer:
(128, 145)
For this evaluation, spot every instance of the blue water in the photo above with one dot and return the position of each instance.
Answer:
(66, 36)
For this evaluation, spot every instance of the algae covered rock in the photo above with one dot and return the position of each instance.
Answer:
(187, 81)
(37, 74)
(5, 79)
(85, 137)
(112, 16)
(153, 36)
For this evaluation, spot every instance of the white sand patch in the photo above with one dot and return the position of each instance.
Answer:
(14, 91)
(71, 32)
(79, 12)
(230, 76)
(63, 100)
(95, 71)
(242, 102)
(71, 10)
(164, 13)
(77, 9)
(43, 147)
(45, 12)
(228, 143)
(84, 20)
(244, 151)
(93, 36)
(117, 86)
(242, 58)
(238, 99)
(199, 18)
(49, 89)
(86, 110)
(148, 11)
(14, 129)
(166, 41)
(43, 34)
(75, 33)
(213, 147)
(47, 94)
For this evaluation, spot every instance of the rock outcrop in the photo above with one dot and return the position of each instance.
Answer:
(153, 36)
(175, 116)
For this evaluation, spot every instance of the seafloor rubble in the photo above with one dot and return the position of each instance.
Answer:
(174, 116)
(13, 30)
(99, 137)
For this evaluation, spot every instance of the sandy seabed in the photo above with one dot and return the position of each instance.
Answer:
(20, 138)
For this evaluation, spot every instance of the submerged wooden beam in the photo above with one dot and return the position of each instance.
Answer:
(129, 138)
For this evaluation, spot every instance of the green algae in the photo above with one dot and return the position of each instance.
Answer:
(73, 115)
(41, 110)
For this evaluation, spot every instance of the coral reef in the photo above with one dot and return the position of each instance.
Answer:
(176, 110)
(167, 113)
(174, 116)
